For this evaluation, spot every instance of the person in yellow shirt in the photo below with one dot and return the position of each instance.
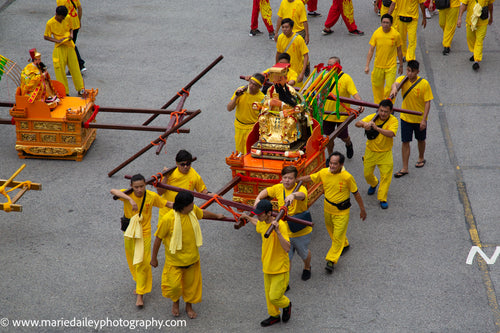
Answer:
(275, 262)
(184, 176)
(346, 88)
(378, 152)
(245, 115)
(75, 12)
(408, 24)
(294, 45)
(300, 235)
(180, 232)
(338, 185)
(386, 44)
(448, 18)
(417, 96)
(59, 31)
(141, 272)
(296, 11)
(479, 16)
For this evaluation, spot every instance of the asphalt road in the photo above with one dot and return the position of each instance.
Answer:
(62, 258)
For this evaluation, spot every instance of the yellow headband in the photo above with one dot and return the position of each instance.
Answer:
(256, 81)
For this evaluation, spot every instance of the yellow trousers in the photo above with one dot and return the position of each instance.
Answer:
(475, 40)
(448, 22)
(240, 139)
(275, 286)
(382, 80)
(141, 273)
(385, 164)
(63, 56)
(410, 29)
(185, 282)
(336, 225)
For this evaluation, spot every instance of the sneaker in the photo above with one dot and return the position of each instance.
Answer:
(270, 321)
(306, 274)
(315, 14)
(446, 50)
(255, 32)
(475, 66)
(287, 312)
(371, 190)
(349, 151)
(326, 31)
(384, 204)
(427, 13)
(271, 35)
(83, 69)
(471, 58)
(356, 32)
(329, 267)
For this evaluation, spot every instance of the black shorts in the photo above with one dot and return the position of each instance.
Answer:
(407, 130)
(329, 127)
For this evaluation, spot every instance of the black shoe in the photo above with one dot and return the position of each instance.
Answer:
(287, 312)
(475, 66)
(356, 33)
(329, 267)
(255, 32)
(446, 51)
(270, 321)
(306, 274)
(349, 151)
(346, 248)
(471, 58)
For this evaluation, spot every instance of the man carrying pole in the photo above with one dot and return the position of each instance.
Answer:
(338, 184)
(378, 152)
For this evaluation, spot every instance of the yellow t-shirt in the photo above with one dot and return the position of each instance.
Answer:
(382, 143)
(416, 98)
(347, 88)
(279, 192)
(294, 10)
(454, 3)
(72, 12)
(245, 116)
(297, 50)
(470, 5)
(189, 253)
(152, 199)
(59, 30)
(408, 8)
(192, 181)
(274, 259)
(386, 47)
(338, 187)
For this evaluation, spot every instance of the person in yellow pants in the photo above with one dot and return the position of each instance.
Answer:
(386, 44)
(275, 262)
(378, 152)
(141, 272)
(408, 23)
(180, 232)
(245, 116)
(448, 22)
(338, 185)
(476, 24)
(59, 31)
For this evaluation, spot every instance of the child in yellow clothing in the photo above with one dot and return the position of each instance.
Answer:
(275, 262)
(179, 230)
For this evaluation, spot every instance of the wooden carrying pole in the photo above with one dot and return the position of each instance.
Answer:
(397, 89)
(281, 213)
(187, 87)
(229, 203)
(174, 120)
(370, 105)
(155, 142)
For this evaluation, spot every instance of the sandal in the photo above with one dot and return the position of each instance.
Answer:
(420, 164)
(400, 174)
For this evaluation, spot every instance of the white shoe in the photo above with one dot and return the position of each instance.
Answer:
(427, 13)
